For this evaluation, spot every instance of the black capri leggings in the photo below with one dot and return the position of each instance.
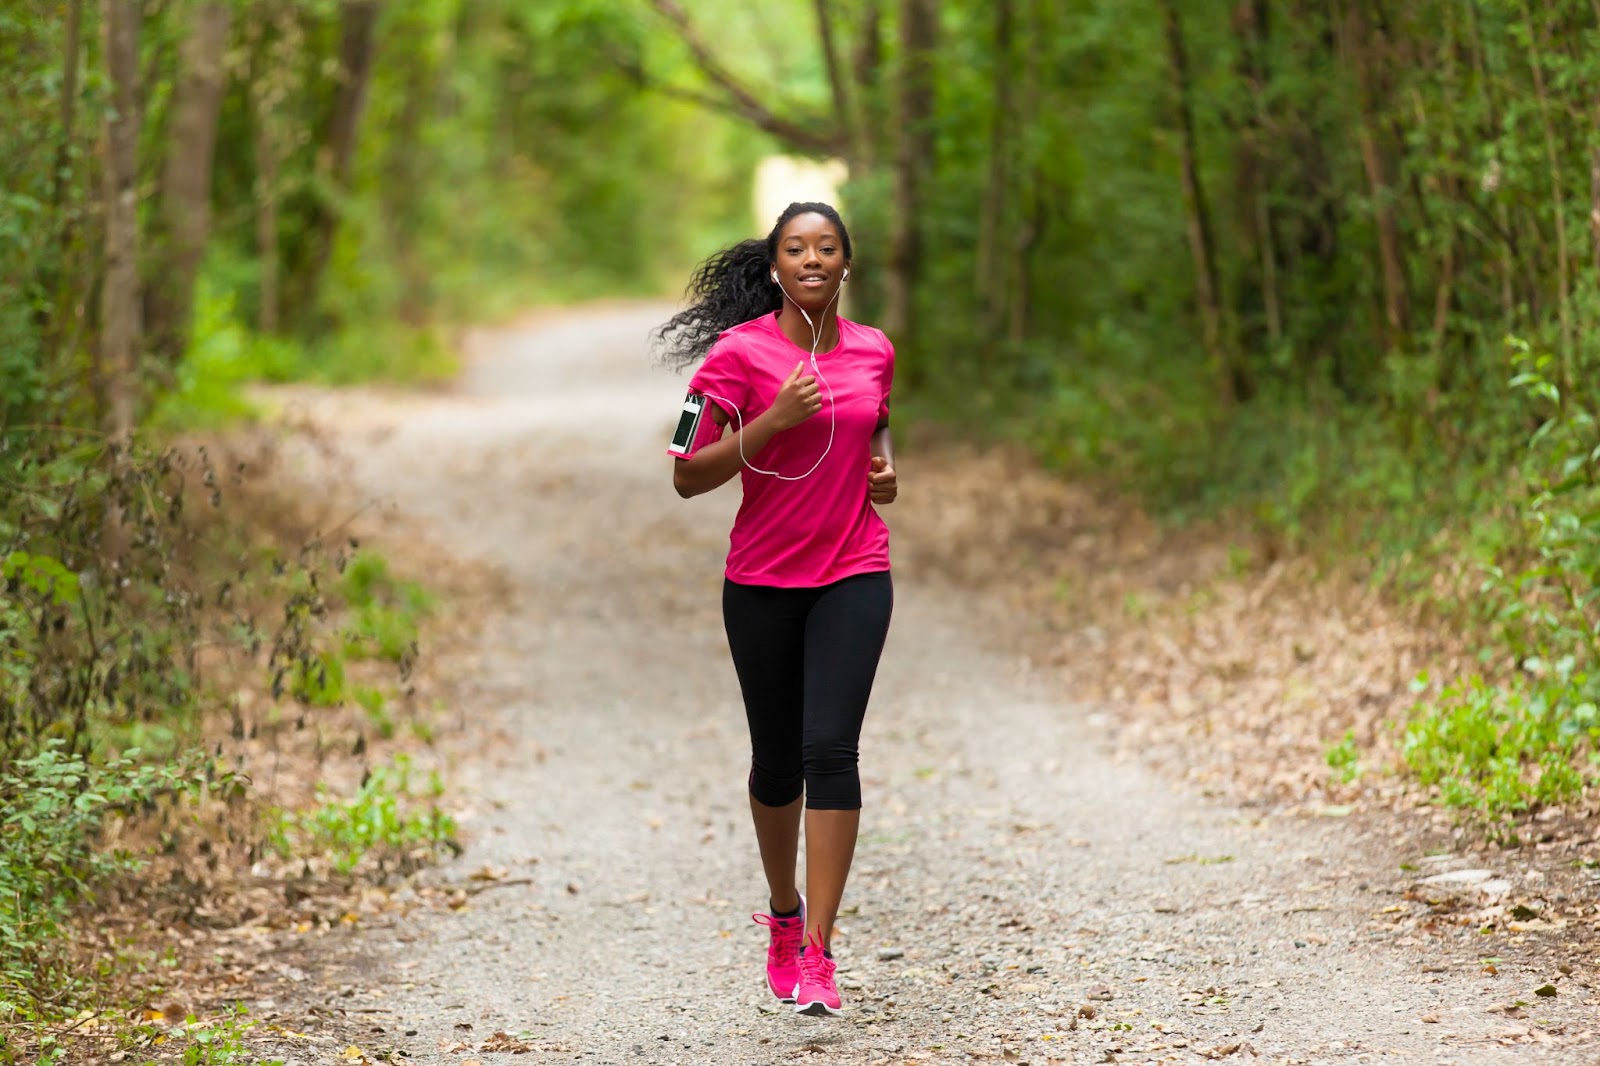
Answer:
(806, 659)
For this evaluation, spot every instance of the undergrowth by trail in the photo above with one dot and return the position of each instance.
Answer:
(226, 716)
(1267, 675)
(1479, 565)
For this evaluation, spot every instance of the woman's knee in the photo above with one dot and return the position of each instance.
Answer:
(833, 777)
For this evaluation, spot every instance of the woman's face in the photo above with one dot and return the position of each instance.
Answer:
(811, 261)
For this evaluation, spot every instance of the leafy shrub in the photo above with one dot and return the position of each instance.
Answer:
(55, 804)
(377, 820)
(1503, 748)
(95, 647)
(1499, 750)
(387, 610)
(1344, 758)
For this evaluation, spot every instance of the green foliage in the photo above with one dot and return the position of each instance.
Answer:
(223, 357)
(54, 805)
(1344, 758)
(92, 650)
(1544, 592)
(379, 820)
(220, 1042)
(376, 705)
(1502, 747)
(319, 679)
(387, 610)
(1499, 750)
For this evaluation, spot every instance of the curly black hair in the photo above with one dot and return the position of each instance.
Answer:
(729, 288)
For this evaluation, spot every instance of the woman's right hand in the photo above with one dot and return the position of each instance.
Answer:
(796, 401)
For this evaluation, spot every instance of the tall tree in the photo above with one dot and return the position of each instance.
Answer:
(272, 39)
(1197, 210)
(120, 320)
(1363, 45)
(1255, 221)
(186, 180)
(993, 284)
(913, 165)
(358, 20)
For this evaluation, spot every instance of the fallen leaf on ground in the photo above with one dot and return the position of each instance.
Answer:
(503, 1041)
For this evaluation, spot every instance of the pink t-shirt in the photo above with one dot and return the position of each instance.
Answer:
(822, 528)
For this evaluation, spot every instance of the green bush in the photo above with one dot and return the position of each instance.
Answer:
(55, 804)
(1497, 751)
(387, 610)
(1502, 748)
(377, 820)
(1344, 758)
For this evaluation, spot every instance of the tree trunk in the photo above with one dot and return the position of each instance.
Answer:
(1202, 247)
(1255, 217)
(868, 63)
(1594, 208)
(120, 325)
(403, 191)
(1558, 197)
(1375, 160)
(186, 180)
(1594, 180)
(1033, 200)
(51, 316)
(992, 280)
(269, 297)
(913, 160)
(69, 105)
(270, 60)
(358, 22)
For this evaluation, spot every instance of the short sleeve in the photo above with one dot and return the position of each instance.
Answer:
(722, 379)
(888, 380)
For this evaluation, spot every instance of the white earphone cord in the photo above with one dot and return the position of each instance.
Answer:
(816, 338)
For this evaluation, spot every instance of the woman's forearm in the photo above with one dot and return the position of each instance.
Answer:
(882, 444)
(715, 465)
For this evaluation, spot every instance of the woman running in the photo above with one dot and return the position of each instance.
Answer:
(807, 595)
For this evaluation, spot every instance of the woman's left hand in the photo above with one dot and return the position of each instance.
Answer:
(881, 484)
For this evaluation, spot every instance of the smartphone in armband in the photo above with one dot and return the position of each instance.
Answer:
(694, 409)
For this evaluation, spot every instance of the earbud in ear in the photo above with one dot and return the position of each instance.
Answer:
(775, 277)
(846, 274)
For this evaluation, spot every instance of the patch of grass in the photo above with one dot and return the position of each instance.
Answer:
(220, 1041)
(376, 705)
(1344, 758)
(387, 610)
(319, 679)
(381, 819)
(1500, 750)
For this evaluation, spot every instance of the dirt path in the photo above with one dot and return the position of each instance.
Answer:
(1019, 894)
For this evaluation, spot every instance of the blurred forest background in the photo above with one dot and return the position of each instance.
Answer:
(1331, 269)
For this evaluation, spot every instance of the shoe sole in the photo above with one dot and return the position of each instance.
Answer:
(817, 1009)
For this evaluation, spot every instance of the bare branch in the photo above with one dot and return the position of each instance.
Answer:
(843, 100)
(818, 135)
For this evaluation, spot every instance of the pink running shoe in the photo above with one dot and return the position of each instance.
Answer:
(783, 953)
(817, 995)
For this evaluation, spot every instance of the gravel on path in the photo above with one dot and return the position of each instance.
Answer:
(1019, 895)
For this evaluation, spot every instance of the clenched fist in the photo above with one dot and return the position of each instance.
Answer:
(881, 484)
